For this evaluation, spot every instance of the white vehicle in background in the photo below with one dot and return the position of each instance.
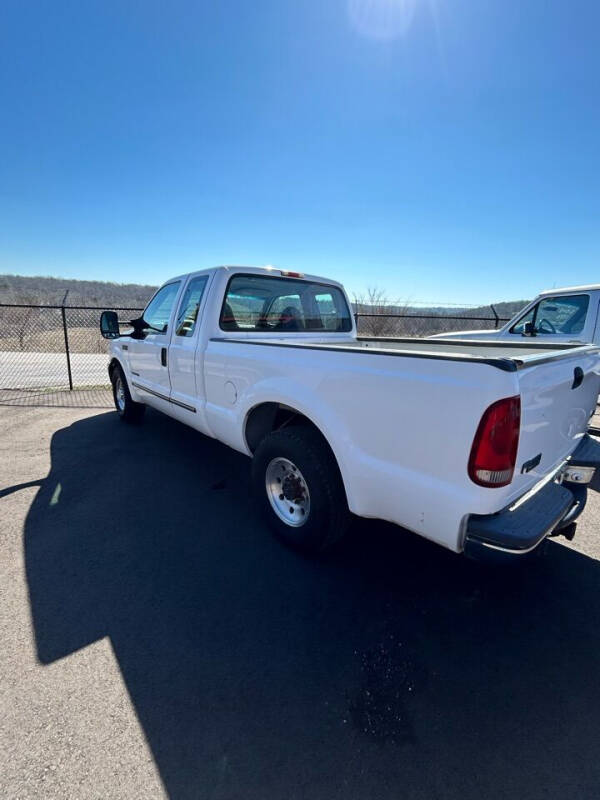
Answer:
(557, 315)
(481, 448)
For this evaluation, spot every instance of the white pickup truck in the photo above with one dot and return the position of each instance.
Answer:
(557, 315)
(480, 447)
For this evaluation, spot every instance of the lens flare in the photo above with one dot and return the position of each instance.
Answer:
(381, 19)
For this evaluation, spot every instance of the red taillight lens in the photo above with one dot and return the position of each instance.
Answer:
(494, 450)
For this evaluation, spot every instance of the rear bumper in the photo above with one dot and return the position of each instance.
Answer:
(520, 529)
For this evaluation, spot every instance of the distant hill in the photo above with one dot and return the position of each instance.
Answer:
(505, 309)
(51, 291)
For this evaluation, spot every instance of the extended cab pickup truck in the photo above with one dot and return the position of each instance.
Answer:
(557, 315)
(480, 447)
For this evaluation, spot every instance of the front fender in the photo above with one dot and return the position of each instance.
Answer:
(117, 358)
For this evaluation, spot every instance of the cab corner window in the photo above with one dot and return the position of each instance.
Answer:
(188, 308)
(519, 327)
(158, 310)
(278, 305)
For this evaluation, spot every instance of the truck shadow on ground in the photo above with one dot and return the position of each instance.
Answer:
(390, 669)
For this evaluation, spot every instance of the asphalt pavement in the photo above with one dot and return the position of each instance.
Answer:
(157, 642)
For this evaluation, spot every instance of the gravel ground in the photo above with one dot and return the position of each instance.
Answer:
(157, 642)
(99, 397)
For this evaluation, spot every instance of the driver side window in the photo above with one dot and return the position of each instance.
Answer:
(564, 315)
(158, 310)
(556, 315)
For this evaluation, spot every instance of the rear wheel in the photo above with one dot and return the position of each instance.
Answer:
(299, 488)
(127, 409)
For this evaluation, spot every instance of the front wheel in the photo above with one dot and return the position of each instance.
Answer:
(299, 488)
(127, 409)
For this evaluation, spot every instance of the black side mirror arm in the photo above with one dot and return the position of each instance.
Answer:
(140, 325)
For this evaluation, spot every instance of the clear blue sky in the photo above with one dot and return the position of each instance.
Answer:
(447, 150)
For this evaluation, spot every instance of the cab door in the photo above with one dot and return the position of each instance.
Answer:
(148, 355)
(185, 352)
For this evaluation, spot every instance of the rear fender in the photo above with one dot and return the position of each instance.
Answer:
(296, 397)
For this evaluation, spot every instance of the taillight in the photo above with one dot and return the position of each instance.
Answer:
(494, 451)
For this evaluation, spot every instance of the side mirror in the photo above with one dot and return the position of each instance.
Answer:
(529, 329)
(109, 325)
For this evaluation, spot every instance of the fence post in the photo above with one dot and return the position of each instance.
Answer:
(68, 354)
(496, 317)
(356, 320)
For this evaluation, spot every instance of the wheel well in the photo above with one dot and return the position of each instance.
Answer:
(112, 366)
(269, 417)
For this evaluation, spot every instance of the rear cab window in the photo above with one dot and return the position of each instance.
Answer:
(269, 304)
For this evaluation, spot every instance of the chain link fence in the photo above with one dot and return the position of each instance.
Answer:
(55, 355)
(412, 323)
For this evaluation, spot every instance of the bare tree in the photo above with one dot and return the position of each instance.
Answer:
(381, 315)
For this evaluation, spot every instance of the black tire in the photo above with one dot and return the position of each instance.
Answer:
(127, 409)
(328, 516)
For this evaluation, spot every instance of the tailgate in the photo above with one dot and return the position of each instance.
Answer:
(558, 396)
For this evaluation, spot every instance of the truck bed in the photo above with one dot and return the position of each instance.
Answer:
(508, 357)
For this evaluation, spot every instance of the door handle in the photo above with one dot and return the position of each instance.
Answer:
(163, 356)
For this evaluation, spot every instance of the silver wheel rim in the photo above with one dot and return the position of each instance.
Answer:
(120, 394)
(287, 492)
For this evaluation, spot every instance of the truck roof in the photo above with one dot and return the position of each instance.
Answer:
(262, 270)
(589, 287)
